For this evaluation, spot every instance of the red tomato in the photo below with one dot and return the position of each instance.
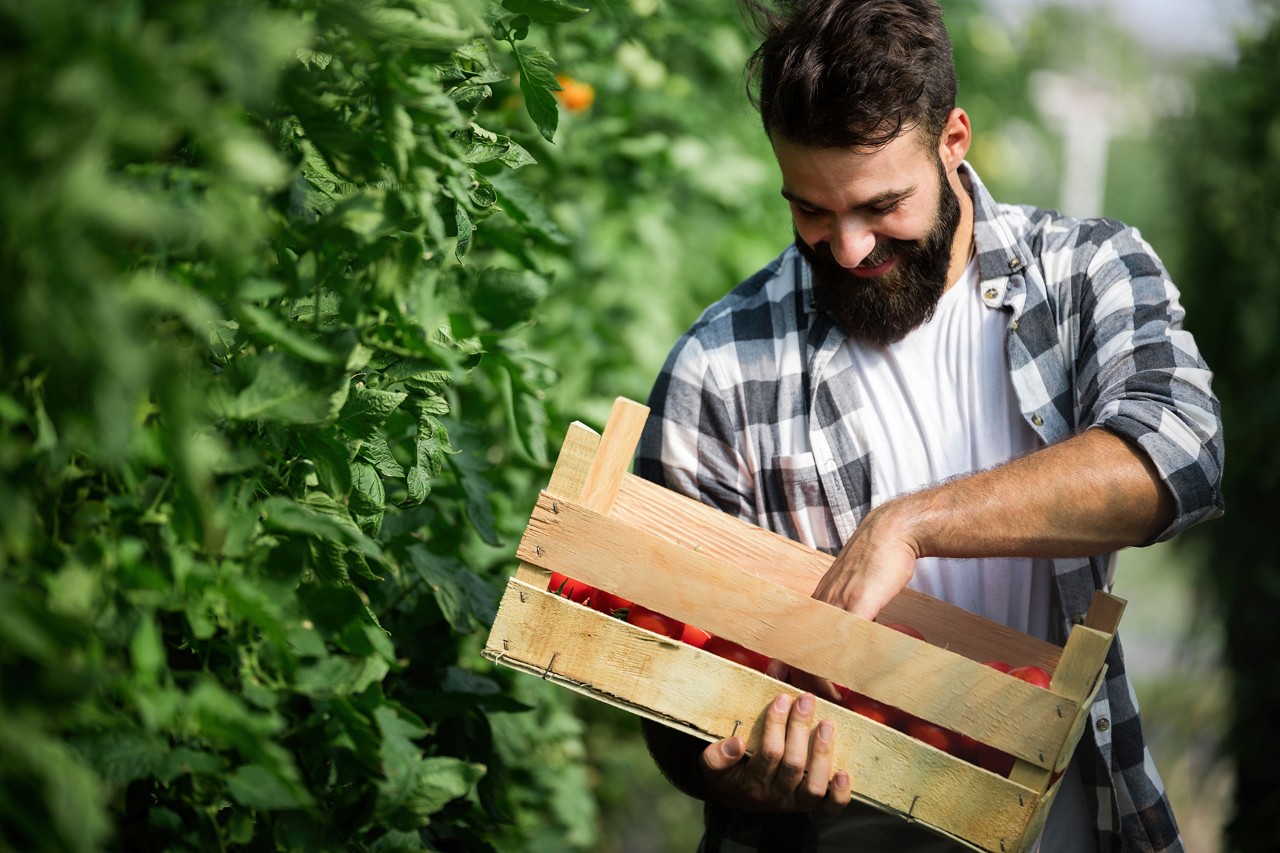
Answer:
(607, 602)
(866, 706)
(998, 664)
(566, 587)
(934, 735)
(994, 760)
(695, 637)
(643, 617)
(1031, 674)
(730, 650)
(905, 629)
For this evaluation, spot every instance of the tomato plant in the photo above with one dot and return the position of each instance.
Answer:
(566, 587)
(575, 95)
(652, 620)
(737, 653)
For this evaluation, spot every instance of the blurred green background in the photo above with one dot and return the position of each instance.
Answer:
(303, 294)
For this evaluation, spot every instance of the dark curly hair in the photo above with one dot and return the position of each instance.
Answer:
(850, 73)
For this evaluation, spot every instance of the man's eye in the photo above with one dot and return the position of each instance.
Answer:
(801, 210)
(887, 209)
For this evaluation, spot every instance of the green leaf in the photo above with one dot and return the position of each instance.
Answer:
(124, 755)
(523, 206)
(282, 391)
(537, 82)
(284, 334)
(367, 408)
(328, 455)
(545, 11)
(466, 227)
(442, 779)
(321, 519)
(506, 297)
(340, 675)
(377, 452)
(257, 787)
(465, 598)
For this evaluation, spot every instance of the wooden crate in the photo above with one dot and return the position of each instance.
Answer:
(606, 527)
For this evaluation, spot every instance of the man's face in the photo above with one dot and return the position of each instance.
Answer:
(877, 228)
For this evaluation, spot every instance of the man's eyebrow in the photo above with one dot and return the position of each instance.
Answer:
(875, 201)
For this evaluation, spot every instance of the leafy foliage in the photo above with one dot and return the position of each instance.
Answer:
(1228, 168)
(258, 359)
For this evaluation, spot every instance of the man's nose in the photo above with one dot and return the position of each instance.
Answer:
(851, 243)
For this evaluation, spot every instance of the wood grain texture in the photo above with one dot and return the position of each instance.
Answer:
(694, 691)
(765, 554)
(613, 456)
(930, 682)
(567, 477)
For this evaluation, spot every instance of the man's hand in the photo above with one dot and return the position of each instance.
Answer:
(873, 566)
(790, 772)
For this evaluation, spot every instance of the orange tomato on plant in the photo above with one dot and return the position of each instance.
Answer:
(575, 95)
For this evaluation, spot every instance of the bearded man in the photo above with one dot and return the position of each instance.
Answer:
(982, 401)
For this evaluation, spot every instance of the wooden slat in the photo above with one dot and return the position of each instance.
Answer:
(613, 456)
(567, 476)
(797, 567)
(1104, 612)
(698, 693)
(1082, 658)
(1023, 720)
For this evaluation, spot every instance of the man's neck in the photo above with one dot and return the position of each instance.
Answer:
(962, 245)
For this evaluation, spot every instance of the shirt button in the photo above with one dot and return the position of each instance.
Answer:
(1014, 263)
(991, 293)
(1037, 420)
(1077, 619)
(1104, 724)
(1013, 326)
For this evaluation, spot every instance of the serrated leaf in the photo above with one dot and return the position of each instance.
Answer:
(545, 11)
(479, 510)
(282, 391)
(537, 82)
(330, 524)
(506, 297)
(367, 493)
(328, 456)
(442, 779)
(525, 207)
(123, 756)
(256, 787)
(376, 451)
(367, 408)
(275, 329)
(340, 675)
(465, 598)
(466, 227)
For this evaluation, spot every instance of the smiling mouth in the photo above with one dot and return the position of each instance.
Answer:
(877, 270)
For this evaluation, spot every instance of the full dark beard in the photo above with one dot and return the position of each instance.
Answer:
(882, 310)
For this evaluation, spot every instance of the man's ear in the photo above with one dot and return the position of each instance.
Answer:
(953, 145)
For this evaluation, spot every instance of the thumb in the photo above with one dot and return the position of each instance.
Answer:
(722, 755)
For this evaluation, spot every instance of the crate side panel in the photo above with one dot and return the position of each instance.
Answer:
(702, 694)
(927, 681)
(765, 554)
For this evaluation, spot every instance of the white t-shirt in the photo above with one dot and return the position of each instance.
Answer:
(942, 404)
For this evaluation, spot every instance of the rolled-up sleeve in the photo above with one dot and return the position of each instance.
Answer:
(1141, 375)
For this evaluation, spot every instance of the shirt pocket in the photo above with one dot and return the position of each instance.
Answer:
(798, 505)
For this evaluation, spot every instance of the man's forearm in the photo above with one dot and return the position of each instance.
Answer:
(1091, 494)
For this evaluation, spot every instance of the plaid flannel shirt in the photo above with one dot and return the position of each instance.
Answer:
(752, 415)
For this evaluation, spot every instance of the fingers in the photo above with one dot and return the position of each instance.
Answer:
(722, 755)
